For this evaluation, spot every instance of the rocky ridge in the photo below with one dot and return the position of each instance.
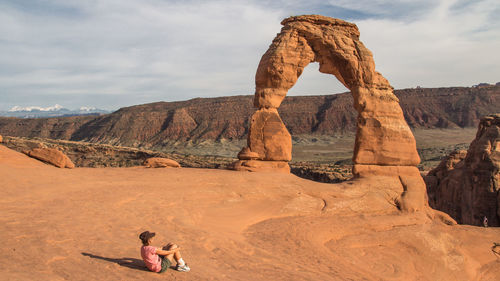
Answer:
(102, 155)
(161, 124)
(93, 155)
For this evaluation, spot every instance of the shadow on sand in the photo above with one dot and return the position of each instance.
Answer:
(127, 262)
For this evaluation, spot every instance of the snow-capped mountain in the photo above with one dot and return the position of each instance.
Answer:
(17, 108)
(50, 111)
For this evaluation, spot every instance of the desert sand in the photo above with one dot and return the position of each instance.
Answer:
(83, 224)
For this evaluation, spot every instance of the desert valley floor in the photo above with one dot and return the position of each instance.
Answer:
(83, 224)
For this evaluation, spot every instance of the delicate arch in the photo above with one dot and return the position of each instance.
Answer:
(384, 143)
(383, 137)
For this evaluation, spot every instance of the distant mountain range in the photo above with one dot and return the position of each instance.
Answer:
(51, 111)
(159, 124)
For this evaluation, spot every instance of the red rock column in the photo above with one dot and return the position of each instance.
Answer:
(269, 144)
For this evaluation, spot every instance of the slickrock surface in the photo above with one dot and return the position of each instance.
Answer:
(467, 186)
(83, 224)
(51, 156)
(159, 162)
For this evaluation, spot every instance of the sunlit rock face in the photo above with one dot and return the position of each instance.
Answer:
(466, 185)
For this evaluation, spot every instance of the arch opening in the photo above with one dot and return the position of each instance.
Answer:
(314, 83)
(319, 157)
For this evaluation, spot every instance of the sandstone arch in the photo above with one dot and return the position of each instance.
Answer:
(384, 145)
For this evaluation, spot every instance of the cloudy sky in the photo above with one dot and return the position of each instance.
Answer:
(114, 53)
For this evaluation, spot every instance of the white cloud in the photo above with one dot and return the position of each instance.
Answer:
(445, 47)
(38, 108)
(112, 53)
(153, 50)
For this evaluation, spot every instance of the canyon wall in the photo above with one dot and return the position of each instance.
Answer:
(151, 125)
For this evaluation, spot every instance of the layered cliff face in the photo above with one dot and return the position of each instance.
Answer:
(448, 107)
(152, 125)
(54, 128)
(466, 185)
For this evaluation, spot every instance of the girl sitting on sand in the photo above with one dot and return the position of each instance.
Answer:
(159, 260)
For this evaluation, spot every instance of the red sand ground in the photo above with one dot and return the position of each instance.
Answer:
(83, 224)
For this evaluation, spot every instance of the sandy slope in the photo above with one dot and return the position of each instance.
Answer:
(83, 224)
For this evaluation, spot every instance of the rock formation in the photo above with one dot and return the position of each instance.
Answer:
(92, 155)
(159, 162)
(384, 144)
(51, 156)
(1, 138)
(466, 185)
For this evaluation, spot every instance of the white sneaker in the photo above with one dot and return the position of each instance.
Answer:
(183, 268)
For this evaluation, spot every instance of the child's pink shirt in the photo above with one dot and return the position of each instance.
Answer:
(151, 259)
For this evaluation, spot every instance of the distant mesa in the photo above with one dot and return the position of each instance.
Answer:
(486, 85)
(466, 184)
(162, 124)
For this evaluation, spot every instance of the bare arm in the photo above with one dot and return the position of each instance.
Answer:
(166, 252)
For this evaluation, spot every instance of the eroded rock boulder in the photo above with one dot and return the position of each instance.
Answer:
(51, 156)
(159, 162)
(467, 185)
